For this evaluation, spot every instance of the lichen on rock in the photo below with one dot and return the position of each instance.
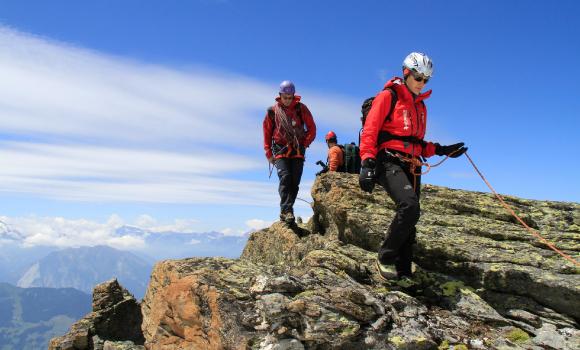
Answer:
(481, 282)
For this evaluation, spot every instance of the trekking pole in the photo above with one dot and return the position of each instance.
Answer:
(509, 209)
(270, 169)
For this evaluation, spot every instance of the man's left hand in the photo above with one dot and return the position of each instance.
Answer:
(453, 151)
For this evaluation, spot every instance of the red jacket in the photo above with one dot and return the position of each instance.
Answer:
(409, 118)
(335, 158)
(274, 135)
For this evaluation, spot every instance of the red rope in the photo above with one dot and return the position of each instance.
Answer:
(508, 208)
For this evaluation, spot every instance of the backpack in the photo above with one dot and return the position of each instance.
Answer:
(351, 158)
(385, 136)
(367, 104)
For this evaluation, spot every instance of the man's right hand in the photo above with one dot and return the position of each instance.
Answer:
(367, 178)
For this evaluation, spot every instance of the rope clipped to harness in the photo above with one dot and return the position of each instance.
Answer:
(415, 163)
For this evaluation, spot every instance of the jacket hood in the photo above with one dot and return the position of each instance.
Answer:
(403, 92)
(295, 101)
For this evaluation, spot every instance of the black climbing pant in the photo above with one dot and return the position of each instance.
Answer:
(396, 178)
(289, 173)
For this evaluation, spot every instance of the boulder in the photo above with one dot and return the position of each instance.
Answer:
(114, 323)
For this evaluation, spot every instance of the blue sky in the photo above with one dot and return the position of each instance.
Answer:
(149, 113)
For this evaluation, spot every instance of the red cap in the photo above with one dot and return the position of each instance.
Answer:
(330, 135)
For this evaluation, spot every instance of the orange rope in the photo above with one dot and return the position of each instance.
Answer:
(542, 239)
(415, 163)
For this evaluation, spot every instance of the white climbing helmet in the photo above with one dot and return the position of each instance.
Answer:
(420, 63)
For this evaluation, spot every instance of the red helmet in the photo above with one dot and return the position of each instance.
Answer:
(330, 136)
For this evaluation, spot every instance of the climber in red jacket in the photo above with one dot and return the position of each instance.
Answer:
(391, 148)
(288, 130)
(335, 160)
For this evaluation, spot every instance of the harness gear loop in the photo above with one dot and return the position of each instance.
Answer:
(511, 211)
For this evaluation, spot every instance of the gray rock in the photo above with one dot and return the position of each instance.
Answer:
(549, 337)
(481, 282)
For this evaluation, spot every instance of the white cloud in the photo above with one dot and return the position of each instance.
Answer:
(126, 242)
(194, 242)
(258, 224)
(178, 225)
(145, 221)
(63, 232)
(94, 127)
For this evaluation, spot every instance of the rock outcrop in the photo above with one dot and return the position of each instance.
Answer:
(482, 282)
(114, 323)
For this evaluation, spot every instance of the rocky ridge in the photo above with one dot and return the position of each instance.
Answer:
(482, 282)
(114, 323)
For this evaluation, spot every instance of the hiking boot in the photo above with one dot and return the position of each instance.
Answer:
(387, 272)
(287, 217)
(290, 218)
(405, 273)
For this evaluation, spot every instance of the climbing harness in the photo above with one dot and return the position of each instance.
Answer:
(415, 163)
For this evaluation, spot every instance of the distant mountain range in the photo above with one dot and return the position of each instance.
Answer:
(30, 317)
(41, 307)
(83, 268)
(177, 245)
(15, 260)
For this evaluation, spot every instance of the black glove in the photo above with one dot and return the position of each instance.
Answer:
(324, 168)
(366, 179)
(323, 171)
(452, 151)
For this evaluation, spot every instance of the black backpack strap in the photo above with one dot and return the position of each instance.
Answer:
(298, 109)
(394, 99)
(273, 120)
(385, 136)
(271, 113)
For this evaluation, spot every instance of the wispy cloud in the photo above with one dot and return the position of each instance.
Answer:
(258, 224)
(62, 232)
(109, 174)
(116, 232)
(82, 125)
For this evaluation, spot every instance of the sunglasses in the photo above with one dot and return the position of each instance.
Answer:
(419, 78)
(286, 97)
